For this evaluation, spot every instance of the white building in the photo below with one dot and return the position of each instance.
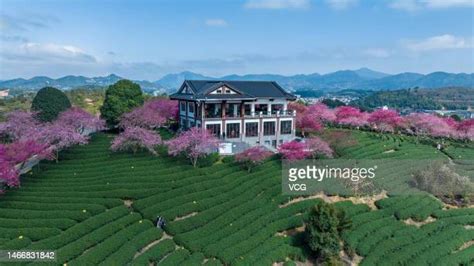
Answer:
(238, 112)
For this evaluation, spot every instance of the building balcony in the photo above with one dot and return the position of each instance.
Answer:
(255, 115)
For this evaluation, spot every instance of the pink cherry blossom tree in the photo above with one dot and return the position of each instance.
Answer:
(194, 143)
(307, 120)
(466, 129)
(428, 124)
(9, 175)
(385, 120)
(153, 114)
(19, 125)
(59, 136)
(318, 147)
(80, 120)
(351, 116)
(323, 113)
(13, 157)
(294, 151)
(252, 157)
(135, 138)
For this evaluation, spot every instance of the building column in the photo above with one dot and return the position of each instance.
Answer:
(269, 109)
(224, 127)
(252, 109)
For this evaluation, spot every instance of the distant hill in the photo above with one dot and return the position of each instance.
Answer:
(448, 98)
(70, 82)
(360, 79)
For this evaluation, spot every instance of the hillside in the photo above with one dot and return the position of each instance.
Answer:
(448, 98)
(95, 207)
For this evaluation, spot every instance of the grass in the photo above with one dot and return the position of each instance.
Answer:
(217, 215)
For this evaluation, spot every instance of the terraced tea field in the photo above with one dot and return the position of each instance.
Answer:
(96, 208)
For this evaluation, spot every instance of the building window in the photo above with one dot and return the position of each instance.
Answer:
(261, 108)
(219, 91)
(247, 109)
(251, 129)
(212, 110)
(183, 106)
(268, 128)
(285, 127)
(214, 129)
(274, 143)
(184, 123)
(191, 107)
(232, 110)
(233, 130)
(276, 108)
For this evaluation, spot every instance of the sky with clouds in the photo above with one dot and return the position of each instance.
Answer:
(144, 39)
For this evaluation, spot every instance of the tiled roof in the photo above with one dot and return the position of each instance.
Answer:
(244, 89)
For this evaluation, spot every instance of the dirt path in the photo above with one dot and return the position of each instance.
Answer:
(368, 200)
(152, 244)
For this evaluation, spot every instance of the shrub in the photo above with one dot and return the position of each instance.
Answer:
(120, 98)
(208, 160)
(442, 181)
(49, 102)
(323, 230)
(228, 159)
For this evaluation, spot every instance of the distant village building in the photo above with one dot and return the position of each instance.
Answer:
(240, 113)
(4, 94)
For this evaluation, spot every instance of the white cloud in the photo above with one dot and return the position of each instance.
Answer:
(448, 3)
(46, 52)
(414, 5)
(377, 52)
(440, 42)
(407, 5)
(216, 22)
(341, 4)
(277, 4)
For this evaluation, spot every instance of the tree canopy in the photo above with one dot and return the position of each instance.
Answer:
(48, 103)
(120, 98)
(323, 230)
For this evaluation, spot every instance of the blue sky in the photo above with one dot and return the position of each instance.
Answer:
(148, 39)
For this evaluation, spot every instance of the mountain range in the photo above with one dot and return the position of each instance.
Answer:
(360, 79)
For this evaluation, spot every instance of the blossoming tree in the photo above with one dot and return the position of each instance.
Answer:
(194, 143)
(135, 138)
(294, 151)
(80, 120)
(318, 147)
(385, 120)
(153, 114)
(252, 157)
(351, 116)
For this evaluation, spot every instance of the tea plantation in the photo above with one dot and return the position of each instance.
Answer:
(96, 208)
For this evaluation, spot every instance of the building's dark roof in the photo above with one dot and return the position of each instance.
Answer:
(246, 90)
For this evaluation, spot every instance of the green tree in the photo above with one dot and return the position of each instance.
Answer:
(120, 98)
(323, 230)
(49, 102)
